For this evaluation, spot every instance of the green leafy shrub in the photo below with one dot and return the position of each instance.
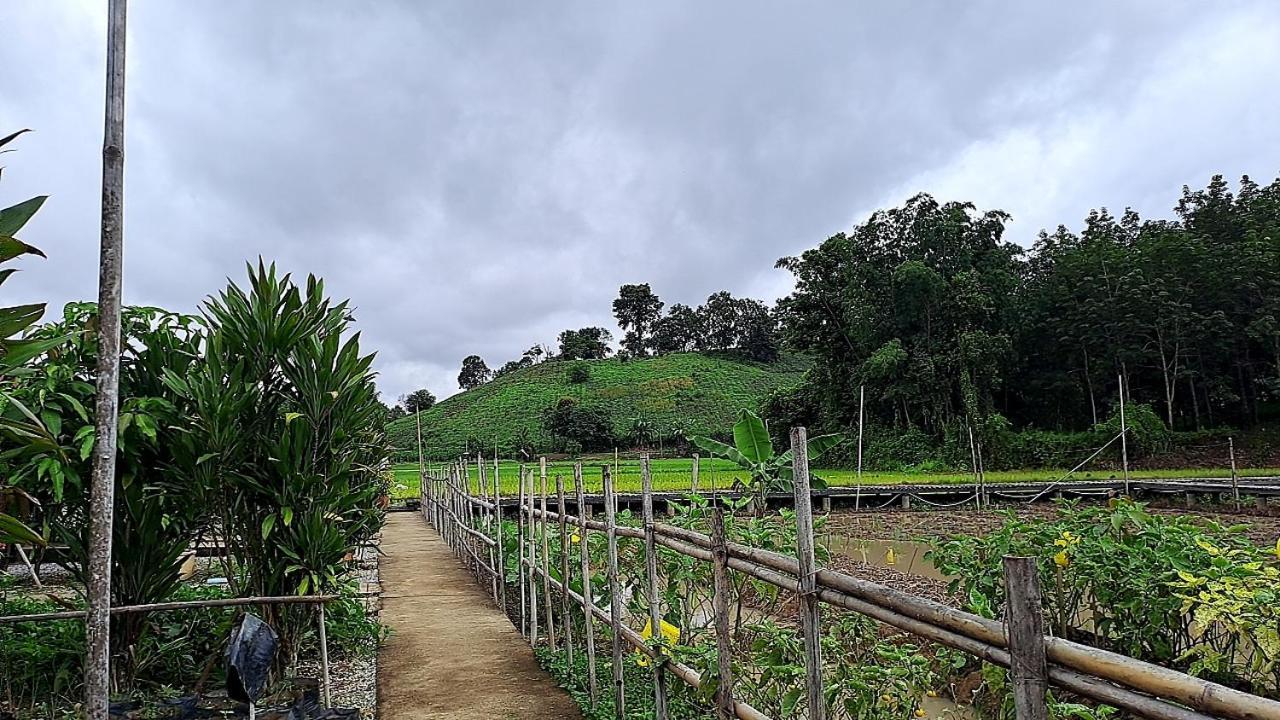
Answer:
(1120, 578)
(578, 373)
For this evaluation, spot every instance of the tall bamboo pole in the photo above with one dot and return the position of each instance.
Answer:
(497, 515)
(566, 620)
(97, 668)
(655, 603)
(546, 555)
(615, 595)
(588, 615)
(520, 569)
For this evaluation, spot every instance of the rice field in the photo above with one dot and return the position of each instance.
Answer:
(674, 474)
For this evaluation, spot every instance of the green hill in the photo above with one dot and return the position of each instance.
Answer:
(690, 392)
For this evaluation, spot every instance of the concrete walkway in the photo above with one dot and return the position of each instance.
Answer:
(452, 654)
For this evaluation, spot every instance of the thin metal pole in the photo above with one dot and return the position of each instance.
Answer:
(418, 419)
(655, 603)
(1124, 438)
(97, 669)
(808, 595)
(1235, 477)
(615, 595)
(973, 457)
(324, 661)
(588, 599)
(862, 398)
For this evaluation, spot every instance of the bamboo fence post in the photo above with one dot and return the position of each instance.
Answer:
(720, 613)
(465, 516)
(520, 533)
(655, 603)
(615, 594)
(497, 514)
(694, 485)
(1024, 624)
(495, 548)
(97, 665)
(566, 620)
(533, 564)
(546, 556)
(809, 617)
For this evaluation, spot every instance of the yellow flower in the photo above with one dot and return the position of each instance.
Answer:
(575, 538)
(670, 632)
(1061, 559)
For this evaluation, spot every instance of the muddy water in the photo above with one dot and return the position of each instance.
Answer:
(901, 555)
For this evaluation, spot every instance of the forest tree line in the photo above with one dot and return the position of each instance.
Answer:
(942, 322)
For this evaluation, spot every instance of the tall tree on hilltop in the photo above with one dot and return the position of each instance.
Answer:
(680, 330)
(474, 372)
(588, 343)
(720, 316)
(418, 401)
(757, 331)
(637, 309)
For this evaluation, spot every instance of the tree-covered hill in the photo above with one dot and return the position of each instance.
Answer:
(671, 394)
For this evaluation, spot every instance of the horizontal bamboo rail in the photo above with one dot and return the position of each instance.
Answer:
(177, 605)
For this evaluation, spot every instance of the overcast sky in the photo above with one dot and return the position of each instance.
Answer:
(477, 176)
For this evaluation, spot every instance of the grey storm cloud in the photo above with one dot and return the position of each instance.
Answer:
(477, 176)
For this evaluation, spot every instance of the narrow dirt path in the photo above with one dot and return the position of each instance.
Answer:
(451, 655)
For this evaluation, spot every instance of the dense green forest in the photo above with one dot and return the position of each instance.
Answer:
(945, 324)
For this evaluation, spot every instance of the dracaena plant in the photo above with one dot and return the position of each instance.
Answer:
(23, 432)
(752, 450)
(285, 424)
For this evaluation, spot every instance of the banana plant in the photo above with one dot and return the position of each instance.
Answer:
(752, 450)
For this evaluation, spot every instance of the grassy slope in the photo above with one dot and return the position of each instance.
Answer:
(704, 391)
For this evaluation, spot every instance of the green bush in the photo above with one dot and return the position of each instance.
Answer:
(578, 373)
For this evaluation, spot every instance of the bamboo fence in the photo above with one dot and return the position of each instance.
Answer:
(471, 524)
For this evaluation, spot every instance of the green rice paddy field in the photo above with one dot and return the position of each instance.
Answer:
(675, 474)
